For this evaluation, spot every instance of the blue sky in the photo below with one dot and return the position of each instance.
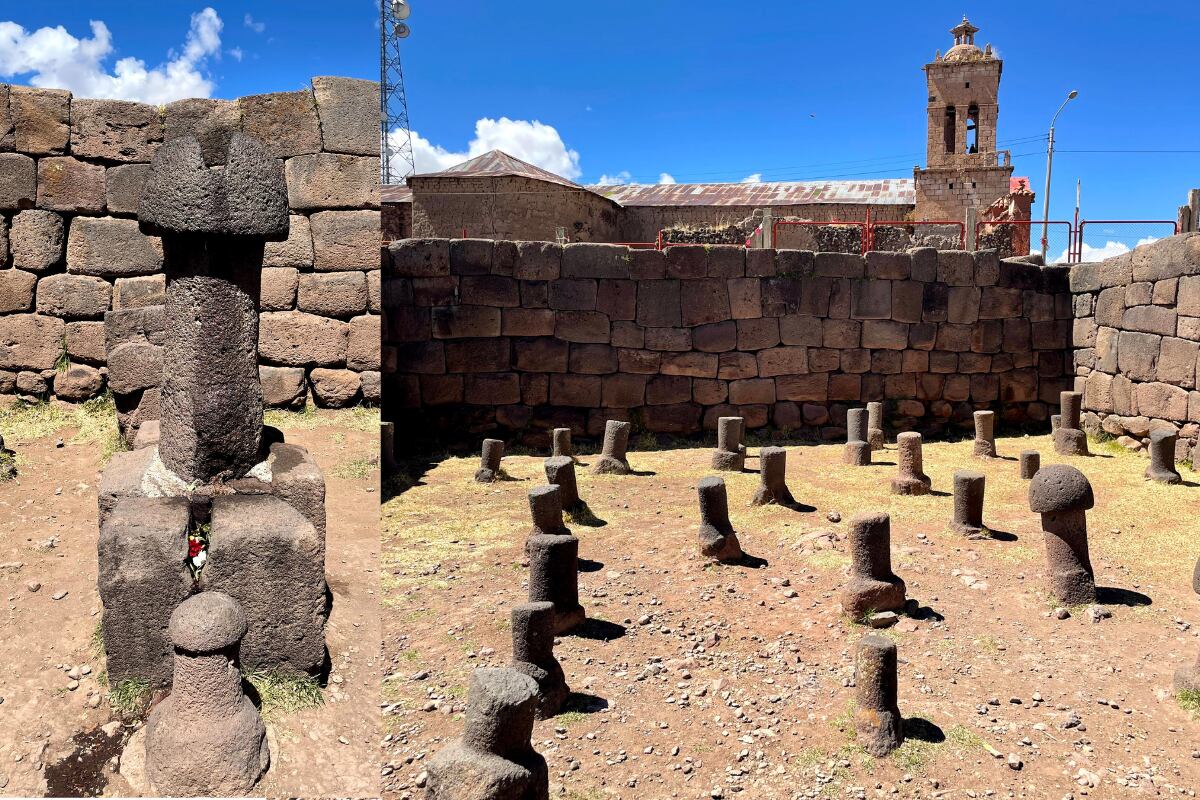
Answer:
(237, 48)
(709, 91)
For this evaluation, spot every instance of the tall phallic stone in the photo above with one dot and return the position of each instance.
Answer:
(560, 443)
(730, 455)
(489, 461)
(912, 479)
(553, 559)
(612, 459)
(985, 434)
(877, 719)
(494, 759)
(1162, 458)
(968, 504)
(206, 738)
(533, 654)
(717, 537)
(1069, 439)
(772, 479)
(214, 225)
(1063, 495)
(872, 585)
(1031, 462)
(875, 434)
(560, 472)
(1187, 678)
(857, 452)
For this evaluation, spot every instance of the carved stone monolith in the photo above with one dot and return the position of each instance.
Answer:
(730, 455)
(857, 452)
(1187, 678)
(875, 434)
(985, 434)
(1031, 462)
(717, 537)
(968, 504)
(533, 654)
(560, 472)
(1063, 495)
(612, 459)
(489, 461)
(772, 478)
(1069, 439)
(877, 719)
(1162, 458)
(911, 479)
(560, 443)
(553, 560)
(872, 585)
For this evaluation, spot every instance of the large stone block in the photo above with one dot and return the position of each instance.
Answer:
(347, 240)
(18, 181)
(145, 324)
(420, 258)
(658, 304)
(286, 122)
(363, 346)
(134, 366)
(68, 184)
(73, 296)
(110, 247)
(1188, 299)
(7, 136)
(210, 122)
(30, 341)
(871, 299)
(277, 291)
(1138, 354)
(1162, 401)
(956, 267)
(77, 383)
(1177, 362)
(335, 294)
(41, 119)
(283, 387)
(16, 291)
(36, 239)
(1150, 319)
(123, 187)
(460, 322)
(334, 388)
(703, 301)
(589, 260)
(782, 361)
(297, 339)
(267, 556)
(348, 109)
(582, 326)
(115, 130)
(142, 578)
(85, 341)
(332, 180)
(295, 251)
(884, 334)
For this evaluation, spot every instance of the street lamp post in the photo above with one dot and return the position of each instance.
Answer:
(1049, 167)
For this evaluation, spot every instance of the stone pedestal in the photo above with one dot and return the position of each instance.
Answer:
(985, 434)
(533, 654)
(729, 456)
(875, 434)
(612, 460)
(911, 479)
(560, 472)
(1031, 462)
(1069, 438)
(489, 461)
(968, 504)
(717, 537)
(560, 443)
(877, 719)
(1162, 458)
(872, 585)
(772, 473)
(554, 577)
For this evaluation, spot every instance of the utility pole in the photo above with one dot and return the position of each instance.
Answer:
(1049, 167)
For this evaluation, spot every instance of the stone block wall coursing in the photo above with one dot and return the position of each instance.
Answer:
(527, 336)
(1137, 340)
(71, 174)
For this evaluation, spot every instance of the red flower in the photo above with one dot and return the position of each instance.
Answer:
(194, 548)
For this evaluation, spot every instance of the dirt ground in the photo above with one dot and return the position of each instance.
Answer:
(53, 725)
(706, 681)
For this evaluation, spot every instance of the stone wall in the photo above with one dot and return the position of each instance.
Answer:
(71, 173)
(642, 223)
(526, 336)
(1137, 338)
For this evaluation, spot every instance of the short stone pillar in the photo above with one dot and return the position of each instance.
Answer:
(717, 537)
(985, 434)
(1055, 423)
(1187, 678)
(877, 720)
(912, 479)
(206, 738)
(857, 452)
(875, 434)
(554, 566)
(1162, 458)
(546, 511)
(968, 504)
(772, 478)
(494, 759)
(560, 472)
(729, 456)
(533, 654)
(560, 443)
(1063, 495)
(8, 462)
(612, 460)
(872, 585)
(1031, 462)
(489, 461)
(1069, 439)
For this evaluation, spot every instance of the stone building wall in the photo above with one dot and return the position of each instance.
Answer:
(642, 223)
(525, 336)
(71, 254)
(1137, 339)
(510, 208)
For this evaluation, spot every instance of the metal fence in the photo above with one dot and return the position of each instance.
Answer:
(1013, 238)
(1098, 239)
(820, 237)
(899, 235)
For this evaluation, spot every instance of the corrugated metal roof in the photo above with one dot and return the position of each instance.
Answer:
(395, 194)
(496, 163)
(889, 191)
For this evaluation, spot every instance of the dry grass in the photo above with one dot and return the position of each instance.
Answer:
(358, 418)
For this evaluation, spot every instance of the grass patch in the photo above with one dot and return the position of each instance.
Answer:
(354, 468)
(129, 696)
(964, 738)
(97, 641)
(1189, 700)
(284, 692)
(358, 418)
(913, 755)
(569, 717)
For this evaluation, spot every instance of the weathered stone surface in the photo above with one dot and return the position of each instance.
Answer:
(210, 122)
(718, 540)
(133, 366)
(36, 239)
(277, 292)
(877, 719)
(348, 110)
(1062, 495)
(78, 382)
(268, 557)
(73, 296)
(111, 248)
(293, 338)
(114, 130)
(16, 291)
(30, 341)
(18, 181)
(41, 119)
(363, 349)
(67, 184)
(85, 341)
(123, 187)
(330, 180)
(142, 578)
(1163, 401)
(872, 585)
(139, 292)
(334, 388)
(296, 479)
(285, 121)
(283, 387)
(296, 250)
(336, 294)
(346, 240)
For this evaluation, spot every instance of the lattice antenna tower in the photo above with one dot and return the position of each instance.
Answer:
(393, 103)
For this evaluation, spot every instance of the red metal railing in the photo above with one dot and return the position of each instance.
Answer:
(1020, 238)
(1143, 227)
(947, 223)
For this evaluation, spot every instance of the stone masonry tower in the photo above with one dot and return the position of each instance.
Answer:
(963, 168)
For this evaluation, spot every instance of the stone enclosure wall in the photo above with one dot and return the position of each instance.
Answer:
(71, 254)
(527, 336)
(1137, 338)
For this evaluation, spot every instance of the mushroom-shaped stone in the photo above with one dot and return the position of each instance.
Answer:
(208, 622)
(1062, 495)
(1058, 488)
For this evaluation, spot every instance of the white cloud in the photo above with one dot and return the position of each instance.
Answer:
(620, 179)
(666, 178)
(1110, 249)
(55, 59)
(755, 178)
(252, 24)
(237, 53)
(529, 140)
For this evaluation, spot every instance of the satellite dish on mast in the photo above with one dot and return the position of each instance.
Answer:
(400, 9)
(402, 31)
